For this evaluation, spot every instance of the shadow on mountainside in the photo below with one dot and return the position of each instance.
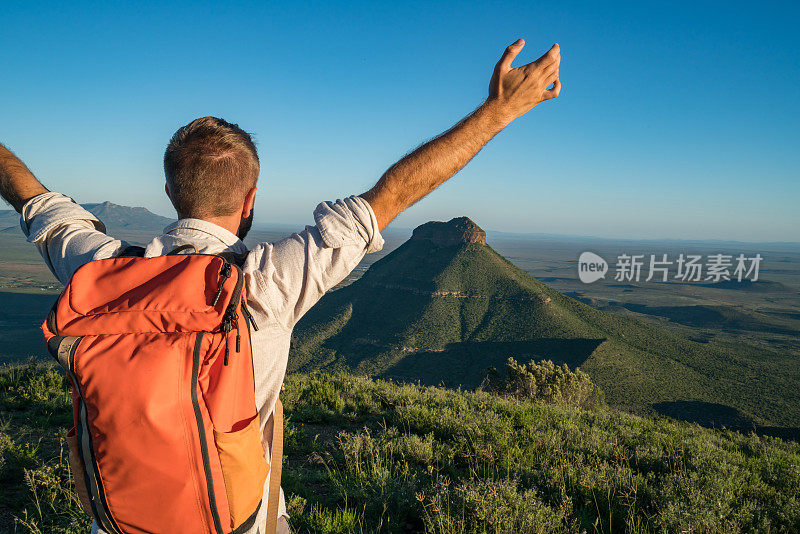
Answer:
(715, 415)
(463, 364)
(21, 316)
(725, 318)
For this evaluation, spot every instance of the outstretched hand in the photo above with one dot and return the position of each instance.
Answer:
(517, 90)
(512, 93)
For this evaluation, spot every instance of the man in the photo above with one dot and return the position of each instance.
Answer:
(211, 170)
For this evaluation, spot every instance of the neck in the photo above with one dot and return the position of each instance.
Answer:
(229, 222)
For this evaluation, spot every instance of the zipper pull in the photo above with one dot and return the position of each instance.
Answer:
(226, 273)
(226, 328)
(249, 316)
(236, 324)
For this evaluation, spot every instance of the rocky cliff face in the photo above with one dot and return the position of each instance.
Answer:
(453, 232)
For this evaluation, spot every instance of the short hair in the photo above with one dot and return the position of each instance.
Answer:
(210, 165)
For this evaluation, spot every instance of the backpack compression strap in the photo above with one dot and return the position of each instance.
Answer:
(275, 468)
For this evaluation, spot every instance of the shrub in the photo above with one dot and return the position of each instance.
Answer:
(546, 382)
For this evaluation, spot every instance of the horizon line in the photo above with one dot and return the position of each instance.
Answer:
(263, 225)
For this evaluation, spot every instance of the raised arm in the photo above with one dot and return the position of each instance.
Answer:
(17, 182)
(66, 235)
(512, 93)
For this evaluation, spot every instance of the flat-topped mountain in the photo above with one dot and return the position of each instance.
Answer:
(457, 230)
(444, 306)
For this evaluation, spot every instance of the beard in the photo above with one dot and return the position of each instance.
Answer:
(244, 226)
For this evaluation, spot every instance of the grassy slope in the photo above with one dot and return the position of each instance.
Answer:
(377, 329)
(370, 456)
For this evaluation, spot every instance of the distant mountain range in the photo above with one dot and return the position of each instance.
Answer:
(117, 218)
(445, 306)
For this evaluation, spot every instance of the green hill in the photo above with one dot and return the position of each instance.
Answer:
(373, 456)
(444, 307)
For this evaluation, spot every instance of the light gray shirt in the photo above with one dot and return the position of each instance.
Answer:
(284, 279)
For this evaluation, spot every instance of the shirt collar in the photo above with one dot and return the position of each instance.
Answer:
(228, 238)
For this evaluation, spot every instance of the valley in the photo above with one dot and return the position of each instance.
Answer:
(717, 354)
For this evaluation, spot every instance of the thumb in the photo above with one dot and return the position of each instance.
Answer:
(508, 56)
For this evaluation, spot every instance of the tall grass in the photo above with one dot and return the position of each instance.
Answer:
(35, 475)
(412, 458)
(373, 456)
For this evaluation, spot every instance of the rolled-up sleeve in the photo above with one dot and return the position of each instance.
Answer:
(66, 235)
(292, 274)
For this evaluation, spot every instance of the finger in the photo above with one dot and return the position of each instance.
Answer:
(554, 92)
(508, 56)
(550, 69)
(547, 63)
(551, 56)
(551, 78)
(548, 73)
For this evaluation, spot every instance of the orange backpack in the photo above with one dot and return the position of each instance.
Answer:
(166, 435)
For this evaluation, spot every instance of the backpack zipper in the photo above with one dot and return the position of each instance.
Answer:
(231, 318)
(226, 273)
(226, 328)
(212, 499)
(229, 321)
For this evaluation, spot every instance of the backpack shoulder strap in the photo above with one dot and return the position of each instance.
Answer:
(135, 251)
(237, 258)
(276, 463)
(131, 251)
(180, 249)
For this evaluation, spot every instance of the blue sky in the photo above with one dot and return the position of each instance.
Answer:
(676, 120)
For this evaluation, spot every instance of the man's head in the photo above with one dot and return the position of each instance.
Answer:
(211, 167)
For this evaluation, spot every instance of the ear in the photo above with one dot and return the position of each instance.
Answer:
(249, 202)
(166, 190)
